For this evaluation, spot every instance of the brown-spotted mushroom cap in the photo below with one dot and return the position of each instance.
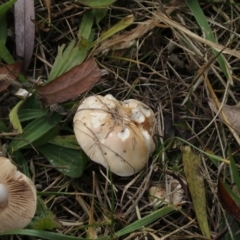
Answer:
(116, 134)
(18, 198)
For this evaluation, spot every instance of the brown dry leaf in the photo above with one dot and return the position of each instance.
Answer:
(8, 74)
(24, 13)
(48, 4)
(72, 83)
(228, 203)
(232, 113)
(125, 40)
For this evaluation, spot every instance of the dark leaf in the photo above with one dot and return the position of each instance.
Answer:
(227, 201)
(24, 29)
(72, 83)
(8, 74)
(36, 129)
(70, 162)
(4, 53)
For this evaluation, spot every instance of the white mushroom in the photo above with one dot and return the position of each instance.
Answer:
(116, 134)
(18, 198)
(159, 196)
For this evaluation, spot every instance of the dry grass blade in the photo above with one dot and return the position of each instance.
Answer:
(173, 24)
(48, 4)
(222, 114)
(126, 39)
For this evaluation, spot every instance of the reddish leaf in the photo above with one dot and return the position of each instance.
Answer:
(8, 74)
(72, 83)
(24, 29)
(228, 203)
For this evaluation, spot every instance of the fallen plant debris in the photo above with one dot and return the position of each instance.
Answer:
(24, 14)
(172, 194)
(71, 84)
(227, 201)
(48, 4)
(127, 39)
(8, 75)
(195, 180)
(231, 112)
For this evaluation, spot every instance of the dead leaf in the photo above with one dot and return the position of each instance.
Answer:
(8, 75)
(72, 83)
(48, 4)
(24, 13)
(232, 113)
(126, 39)
(195, 180)
(228, 203)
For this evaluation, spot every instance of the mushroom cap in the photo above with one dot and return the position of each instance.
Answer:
(18, 198)
(141, 113)
(115, 134)
(159, 196)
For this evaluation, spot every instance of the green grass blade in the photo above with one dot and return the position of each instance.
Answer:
(86, 26)
(14, 119)
(48, 136)
(96, 4)
(235, 173)
(21, 162)
(5, 54)
(67, 58)
(145, 220)
(44, 219)
(32, 102)
(70, 162)
(3, 127)
(68, 141)
(45, 235)
(202, 22)
(124, 23)
(29, 114)
(233, 195)
(34, 130)
(3, 26)
(99, 14)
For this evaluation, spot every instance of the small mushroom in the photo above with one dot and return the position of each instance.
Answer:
(116, 134)
(159, 196)
(18, 198)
